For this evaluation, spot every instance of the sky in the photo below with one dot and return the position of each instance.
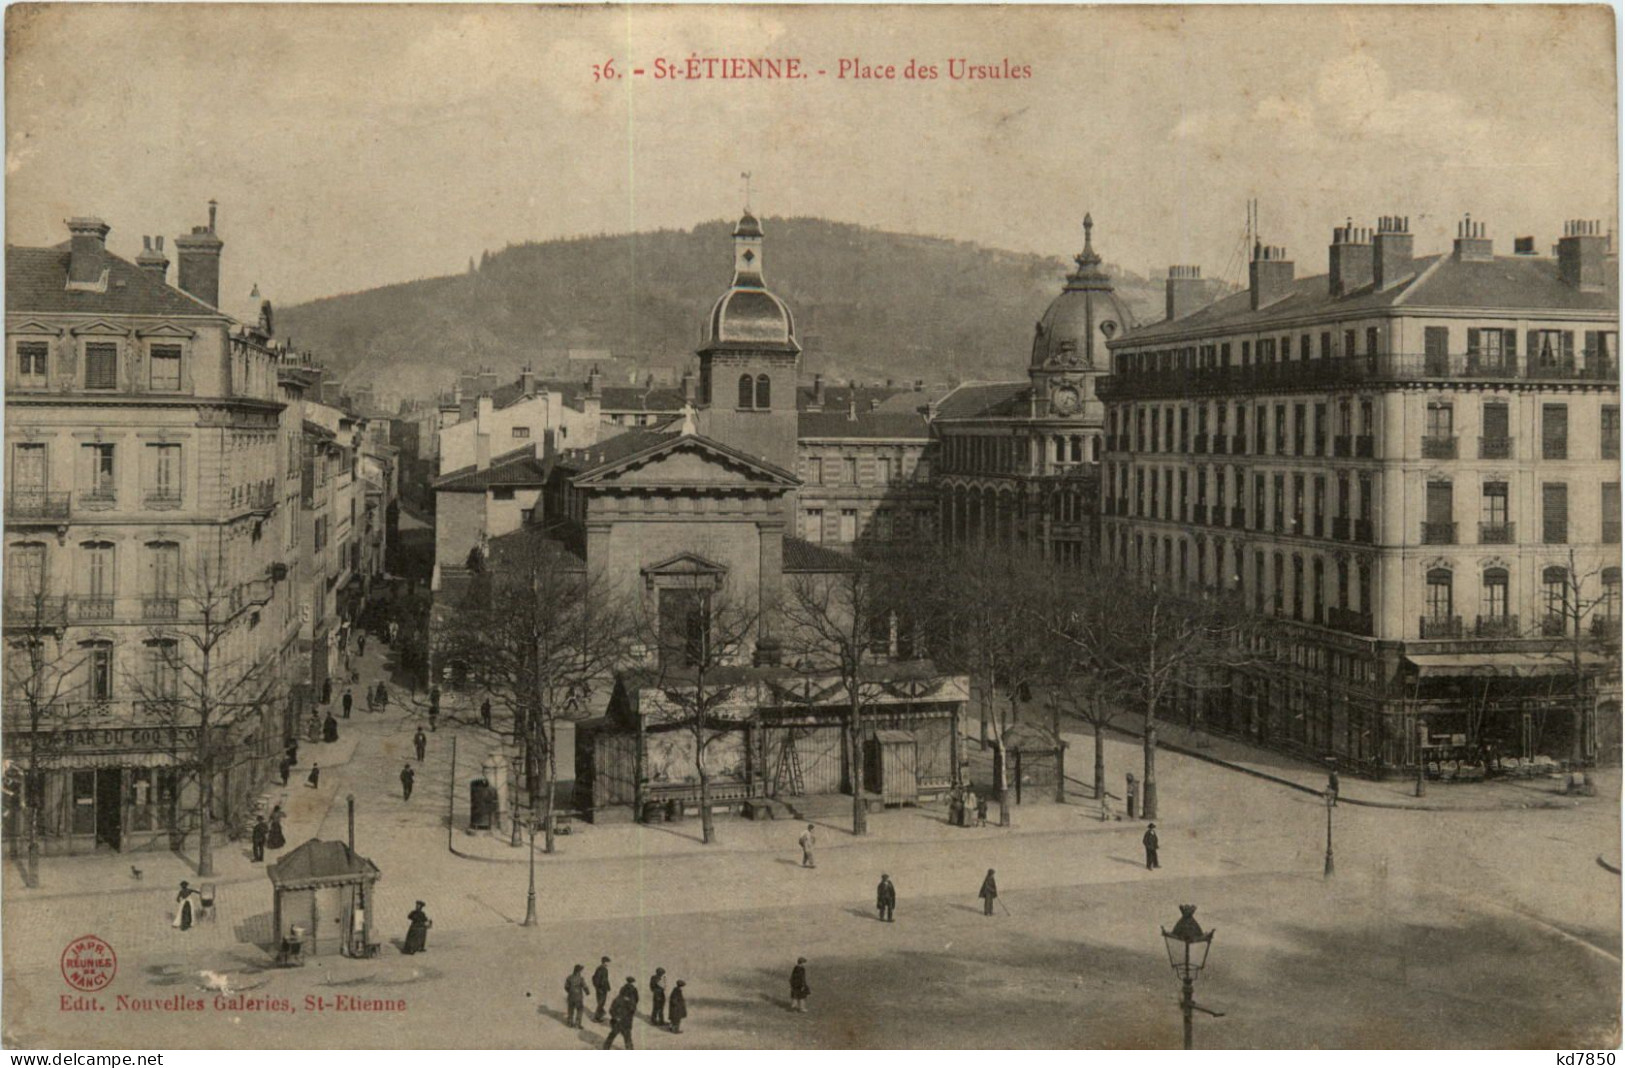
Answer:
(353, 146)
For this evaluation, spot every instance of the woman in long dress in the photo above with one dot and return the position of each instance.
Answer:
(184, 907)
(273, 838)
(418, 933)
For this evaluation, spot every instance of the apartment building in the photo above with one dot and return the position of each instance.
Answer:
(1411, 462)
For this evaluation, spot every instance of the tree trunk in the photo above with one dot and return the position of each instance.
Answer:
(1148, 796)
(860, 806)
(205, 843)
(549, 773)
(708, 829)
(32, 868)
(1100, 761)
(1003, 777)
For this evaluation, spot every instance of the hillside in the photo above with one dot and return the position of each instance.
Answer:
(868, 304)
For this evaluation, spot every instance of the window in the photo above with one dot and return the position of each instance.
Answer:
(1554, 585)
(764, 392)
(1554, 513)
(1610, 431)
(849, 470)
(1610, 513)
(164, 362)
(1551, 351)
(1494, 517)
(28, 469)
(1371, 342)
(884, 529)
(98, 671)
(1343, 584)
(1494, 603)
(849, 525)
(101, 365)
(100, 484)
(685, 632)
(166, 475)
(1278, 505)
(1608, 608)
(1440, 605)
(1496, 443)
(33, 362)
(747, 392)
(1441, 421)
(163, 669)
(1280, 584)
(1258, 502)
(25, 572)
(498, 493)
(163, 570)
(1554, 431)
(815, 471)
(521, 432)
(1280, 430)
(1261, 427)
(1300, 420)
(1436, 348)
(1258, 581)
(813, 525)
(883, 470)
(1297, 575)
(1318, 589)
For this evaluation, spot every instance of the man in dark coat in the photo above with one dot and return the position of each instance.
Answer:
(575, 997)
(434, 706)
(408, 777)
(1150, 842)
(314, 779)
(679, 1008)
(989, 891)
(657, 997)
(347, 701)
(601, 987)
(330, 729)
(799, 990)
(327, 691)
(886, 898)
(284, 768)
(381, 695)
(293, 751)
(420, 742)
(262, 831)
(621, 1015)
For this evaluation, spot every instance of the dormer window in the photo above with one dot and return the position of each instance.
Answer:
(101, 365)
(164, 362)
(33, 364)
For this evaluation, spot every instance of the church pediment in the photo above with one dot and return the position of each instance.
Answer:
(690, 462)
(166, 330)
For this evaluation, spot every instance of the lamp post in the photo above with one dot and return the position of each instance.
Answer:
(1188, 947)
(1331, 803)
(530, 895)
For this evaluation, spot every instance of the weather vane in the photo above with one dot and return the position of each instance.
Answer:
(746, 176)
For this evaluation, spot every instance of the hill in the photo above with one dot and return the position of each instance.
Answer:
(868, 304)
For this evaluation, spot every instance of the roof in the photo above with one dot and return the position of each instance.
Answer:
(801, 555)
(646, 442)
(613, 450)
(983, 400)
(640, 399)
(865, 424)
(839, 397)
(1523, 283)
(317, 430)
(517, 468)
(319, 863)
(37, 281)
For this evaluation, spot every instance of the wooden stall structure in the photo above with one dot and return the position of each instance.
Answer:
(325, 890)
(892, 762)
(1035, 757)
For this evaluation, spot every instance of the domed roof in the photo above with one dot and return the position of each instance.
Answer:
(748, 314)
(1088, 313)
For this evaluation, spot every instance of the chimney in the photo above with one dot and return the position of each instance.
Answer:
(852, 407)
(152, 258)
(1391, 251)
(595, 383)
(484, 415)
(1349, 265)
(688, 386)
(818, 393)
(87, 261)
(1471, 244)
(919, 384)
(1184, 288)
(1582, 256)
(1269, 275)
(874, 404)
(527, 381)
(198, 254)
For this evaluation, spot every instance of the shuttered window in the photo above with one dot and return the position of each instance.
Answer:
(1441, 506)
(1610, 513)
(101, 366)
(1496, 421)
(1554, 431)
(1554, 512)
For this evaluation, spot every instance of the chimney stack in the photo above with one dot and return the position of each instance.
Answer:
(1269, 275)
(1349, 259)
(688, 386)
(595, 383)
(198, 254)
(484, 416)
(874, 404)
(1582, 255)
(152, 258)
(852, 407)
(818, 393)
(1391, 251)
(527, 381)
(87, 260)
(1471, 244)
(1184, 291)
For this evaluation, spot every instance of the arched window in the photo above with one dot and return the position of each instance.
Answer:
(25, 573)
(1554, 583)
(1494, 604)
(764, 392)
(745, 394)
(1440, 601)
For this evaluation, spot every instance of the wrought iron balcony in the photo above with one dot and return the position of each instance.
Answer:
(1604, 626)
(1495, 627)
(1438, 448)
(38, 506)
(1495, 448)
(160, 608)
(1200, 444)
(1199, 514)
(1238, 444)
(1349, 621)
(1555, 532)
(1238, 517)
(1340, 528)
(161, 500)
(1610, 532)
(1365, 532)
(1365, 446)
(1221, 443)
(1440, 626)
(27, 610)
(99, 499)
(1438, 533)
(93, 607)
(1497, 533)
(1554, 625)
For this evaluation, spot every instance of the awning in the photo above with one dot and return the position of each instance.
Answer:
(1505, 665)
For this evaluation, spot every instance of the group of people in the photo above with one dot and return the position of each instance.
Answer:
(666, 1009)
(267, 833)
(964, 804)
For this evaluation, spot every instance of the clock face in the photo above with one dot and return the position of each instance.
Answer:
(1066, 400)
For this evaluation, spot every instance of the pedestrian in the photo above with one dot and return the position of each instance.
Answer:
(293, 751)
(314, 779)
(956, 808)
(327, 690)
(989, 891)
(622, 1013)
(601, 987)
(347, 700)
(284, 768)
(184, 907)
(799, 990)
(485, 713)
(981, 812)
(434, 705)
(383, 696)
(969, 811)
(273, 837)
(657, 998)
(886, 898)
(361, 644)
(420, 742)
(1332, 784)
(408, 777)
(258, 835)
(678, 1010)
(330, 729)
(575, 997)
(1150, 842)
(417, 931)
(808, 840)
(1132, 795)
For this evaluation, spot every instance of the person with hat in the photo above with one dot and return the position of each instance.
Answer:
(575, 997)
(184, 907)
(417, 934)
(679, 1008)
(987, 893)
(799, 990)
(886, 898)
(622, 1013)
(273, 836)
(258, 836)
(807, 841)
(408, 777)
(1150, 842)
(657, 997)
(420, 742)
(601, 986)
(314, 779)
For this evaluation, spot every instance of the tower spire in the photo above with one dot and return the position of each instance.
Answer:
(746, 176)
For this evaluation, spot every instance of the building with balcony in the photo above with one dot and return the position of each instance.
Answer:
(863, 458)
(1410, 461)
(143, 476)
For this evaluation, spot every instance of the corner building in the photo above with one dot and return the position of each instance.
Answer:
(1412, 463)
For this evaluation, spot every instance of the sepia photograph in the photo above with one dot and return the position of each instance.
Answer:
(811, 527)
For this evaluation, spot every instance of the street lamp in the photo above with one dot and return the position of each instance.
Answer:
(530, 895)
(1331, 803)
(1188, 947)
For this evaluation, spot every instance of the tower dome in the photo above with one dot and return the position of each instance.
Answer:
(748, 315)
(1087, 314)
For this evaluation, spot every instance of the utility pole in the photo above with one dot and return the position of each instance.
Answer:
(1331, 803)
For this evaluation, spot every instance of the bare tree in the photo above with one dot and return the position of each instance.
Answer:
(695, 632)
(41, 673)
(1071, 671)
(1581, 618)
(539, 631)
(201, 676)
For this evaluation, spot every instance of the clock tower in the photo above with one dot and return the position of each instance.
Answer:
(1069, 344)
